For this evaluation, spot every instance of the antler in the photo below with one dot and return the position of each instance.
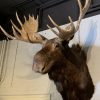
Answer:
(70, 30)
(28, 31)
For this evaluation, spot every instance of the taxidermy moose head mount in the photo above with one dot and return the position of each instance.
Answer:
(65, 65)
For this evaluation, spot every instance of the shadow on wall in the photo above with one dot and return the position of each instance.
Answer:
(90, 39)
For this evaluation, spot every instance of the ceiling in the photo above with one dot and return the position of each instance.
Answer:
(7, 5)
(10, 3)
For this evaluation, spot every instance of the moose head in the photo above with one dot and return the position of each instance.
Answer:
(65, 65)
(52, 49)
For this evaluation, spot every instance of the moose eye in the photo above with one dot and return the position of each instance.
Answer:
(56, 45)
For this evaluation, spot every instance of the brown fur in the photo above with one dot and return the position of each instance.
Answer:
(67, 68)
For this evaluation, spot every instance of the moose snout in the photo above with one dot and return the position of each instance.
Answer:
(37, 67)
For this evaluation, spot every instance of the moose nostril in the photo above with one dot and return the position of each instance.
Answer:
(43, 68)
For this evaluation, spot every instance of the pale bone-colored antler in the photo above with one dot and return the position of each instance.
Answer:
(5, 33)
(63, 33)
(83, 11)
(28, 31)
(70, 30)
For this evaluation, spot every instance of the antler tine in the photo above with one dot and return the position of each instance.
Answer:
(15, 34)
(22, 32)
(63, 34)
(35, 21)
(82, 11)
(37, 18)
(19, 20)
(70, 27)
(25, 18)
(53, 30)
(57, 26)
(5, 33)
(16, 27)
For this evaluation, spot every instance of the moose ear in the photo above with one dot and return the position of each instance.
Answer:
(56, 45)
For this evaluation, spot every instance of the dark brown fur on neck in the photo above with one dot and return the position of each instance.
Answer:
(67, 68)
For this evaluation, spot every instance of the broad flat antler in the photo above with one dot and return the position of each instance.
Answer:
(70, 30)
(28, 31)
